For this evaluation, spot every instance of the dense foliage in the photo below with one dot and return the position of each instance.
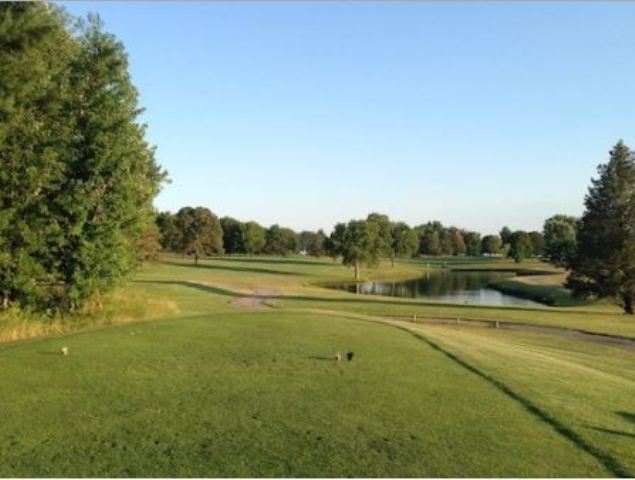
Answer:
(604, 262)
(560, 239)
(77, 178)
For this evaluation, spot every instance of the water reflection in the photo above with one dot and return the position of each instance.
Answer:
(445, 286)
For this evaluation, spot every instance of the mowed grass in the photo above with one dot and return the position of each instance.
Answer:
(299, 283)
(257, 394)
(210, 389)
(589, 388)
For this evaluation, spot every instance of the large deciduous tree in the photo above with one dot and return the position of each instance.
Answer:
(383, 239)
(334, 242)
(537, 243)
(604, 263)
(254, 238)
(316, 246)
(520, 246)
(560, 239)
(405, 241)
(200, 232)
(233, 235)
(360, 245)
(472, 243)
(281, 241)
(168, 234)
(491, 245)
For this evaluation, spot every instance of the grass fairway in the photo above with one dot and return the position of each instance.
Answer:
(214, 389)
(254, 394)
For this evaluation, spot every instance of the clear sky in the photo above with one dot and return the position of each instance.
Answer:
(309, 113)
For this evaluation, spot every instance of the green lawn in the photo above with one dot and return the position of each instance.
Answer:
(255, 394)
(209, 389)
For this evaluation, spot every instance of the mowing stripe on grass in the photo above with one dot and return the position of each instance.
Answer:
(609, 462)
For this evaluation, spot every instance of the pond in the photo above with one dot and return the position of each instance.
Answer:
(465, 287)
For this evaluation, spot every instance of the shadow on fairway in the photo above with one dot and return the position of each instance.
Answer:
(614, 432)
(232, 269)
(318, 357)
(285, 261)
(194, 285)
(611, 463)
(627, 416)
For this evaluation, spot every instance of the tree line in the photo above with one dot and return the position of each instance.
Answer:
(198, 231)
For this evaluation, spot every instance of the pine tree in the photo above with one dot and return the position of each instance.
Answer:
(604, 264)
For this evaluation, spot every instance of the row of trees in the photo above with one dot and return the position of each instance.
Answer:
(197, 231)
(77, 178)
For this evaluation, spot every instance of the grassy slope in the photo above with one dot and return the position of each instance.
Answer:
(249, 394)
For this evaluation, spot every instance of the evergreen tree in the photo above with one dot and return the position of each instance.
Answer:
(604, 264)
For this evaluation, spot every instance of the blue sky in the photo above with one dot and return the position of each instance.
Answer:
(306, 113)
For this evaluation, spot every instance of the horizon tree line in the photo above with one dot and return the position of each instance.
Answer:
(198, 232)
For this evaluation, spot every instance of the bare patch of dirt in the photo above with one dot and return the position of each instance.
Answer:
(258, 299)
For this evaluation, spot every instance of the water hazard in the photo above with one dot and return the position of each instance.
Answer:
(445, 286)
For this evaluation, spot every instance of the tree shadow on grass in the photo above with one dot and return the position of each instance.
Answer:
(614, 432)
(627, 416)
(194, 285)
(232, 269)
(281, 260)
(611, 463)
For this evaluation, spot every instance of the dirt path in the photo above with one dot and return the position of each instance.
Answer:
(258, 299)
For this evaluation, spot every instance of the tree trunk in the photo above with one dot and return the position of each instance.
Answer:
(5, 301)
(357, 271)
(628, 303)
(195, 258)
